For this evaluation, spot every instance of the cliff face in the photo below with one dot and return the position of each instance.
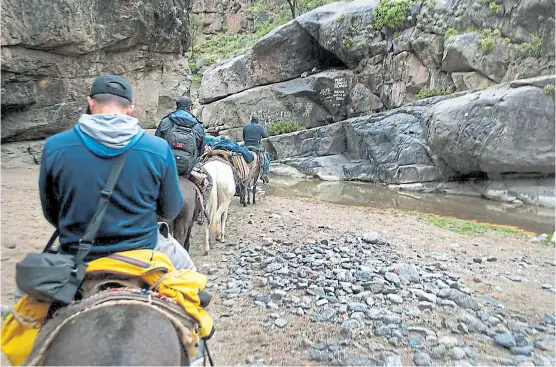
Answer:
(53, 50)
(372, 62)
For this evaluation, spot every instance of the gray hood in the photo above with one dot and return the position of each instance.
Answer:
(111, 130)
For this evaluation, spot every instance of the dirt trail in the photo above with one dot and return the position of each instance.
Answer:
(242, 330)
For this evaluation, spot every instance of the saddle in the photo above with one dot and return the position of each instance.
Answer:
(143, 277)
(235, 160)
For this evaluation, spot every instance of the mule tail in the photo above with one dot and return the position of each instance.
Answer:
(212, 210)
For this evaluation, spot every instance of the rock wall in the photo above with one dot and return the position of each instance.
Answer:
(448, 46)
(53, 50)
(501, 140)
(219, 15)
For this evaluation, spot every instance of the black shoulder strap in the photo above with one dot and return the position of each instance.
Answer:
(88, 238)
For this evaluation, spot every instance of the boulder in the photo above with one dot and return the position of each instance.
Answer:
(463, 53)
(505, 129)
(471, 80)
(283, 54)
(327, 168)
(394, 146)
(429, 49)
(312, 101)
(51, 54)
(321, 141)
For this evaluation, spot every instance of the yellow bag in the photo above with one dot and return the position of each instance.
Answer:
(182, 286)
(21, 327)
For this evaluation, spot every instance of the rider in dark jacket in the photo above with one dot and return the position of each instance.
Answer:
(185, 134)
(253, 133)
(186, 137)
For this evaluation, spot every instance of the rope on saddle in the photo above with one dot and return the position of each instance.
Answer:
(183, 323)
(223, 160)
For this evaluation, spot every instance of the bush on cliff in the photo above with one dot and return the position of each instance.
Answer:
(283, 127)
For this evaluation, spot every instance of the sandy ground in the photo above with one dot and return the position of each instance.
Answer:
(238, 329)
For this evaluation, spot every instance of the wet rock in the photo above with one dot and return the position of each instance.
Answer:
(506, 340)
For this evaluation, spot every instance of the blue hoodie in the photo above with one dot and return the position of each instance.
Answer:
(74, 168)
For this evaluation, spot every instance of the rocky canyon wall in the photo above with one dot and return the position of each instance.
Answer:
(53, 50)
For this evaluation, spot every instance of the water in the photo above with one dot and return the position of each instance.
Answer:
(529, 218)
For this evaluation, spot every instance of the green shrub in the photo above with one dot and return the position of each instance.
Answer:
(451, 32)
(348, 43)
(192, 68)
(426, 93)
(283, 127)
(340, 18)
(196, 79)
(493, 7)
(532, 49)
(507, 40)
(390, 13)
(487, 39)
(548, 90)
(487, 43)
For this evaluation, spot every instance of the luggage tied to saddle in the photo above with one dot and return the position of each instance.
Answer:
(242, 168)
(21, 327)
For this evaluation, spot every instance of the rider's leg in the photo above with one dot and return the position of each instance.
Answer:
(175, 252)
(206, 195)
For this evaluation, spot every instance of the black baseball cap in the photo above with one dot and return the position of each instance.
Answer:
(112, 84)
(184, 101)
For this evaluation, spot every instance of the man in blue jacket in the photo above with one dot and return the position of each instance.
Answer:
(75, 166)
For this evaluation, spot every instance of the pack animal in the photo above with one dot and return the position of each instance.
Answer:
(181, 226)
(221, 195)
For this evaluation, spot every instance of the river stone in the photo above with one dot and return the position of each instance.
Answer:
(421, 359)
(457, 353)
(371, 237)
(350, 328)
(460, 298)
(506, 340)
(394, 298)
(324, 315)
(438, 352)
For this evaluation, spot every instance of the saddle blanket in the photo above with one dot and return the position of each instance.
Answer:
(21, 327)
